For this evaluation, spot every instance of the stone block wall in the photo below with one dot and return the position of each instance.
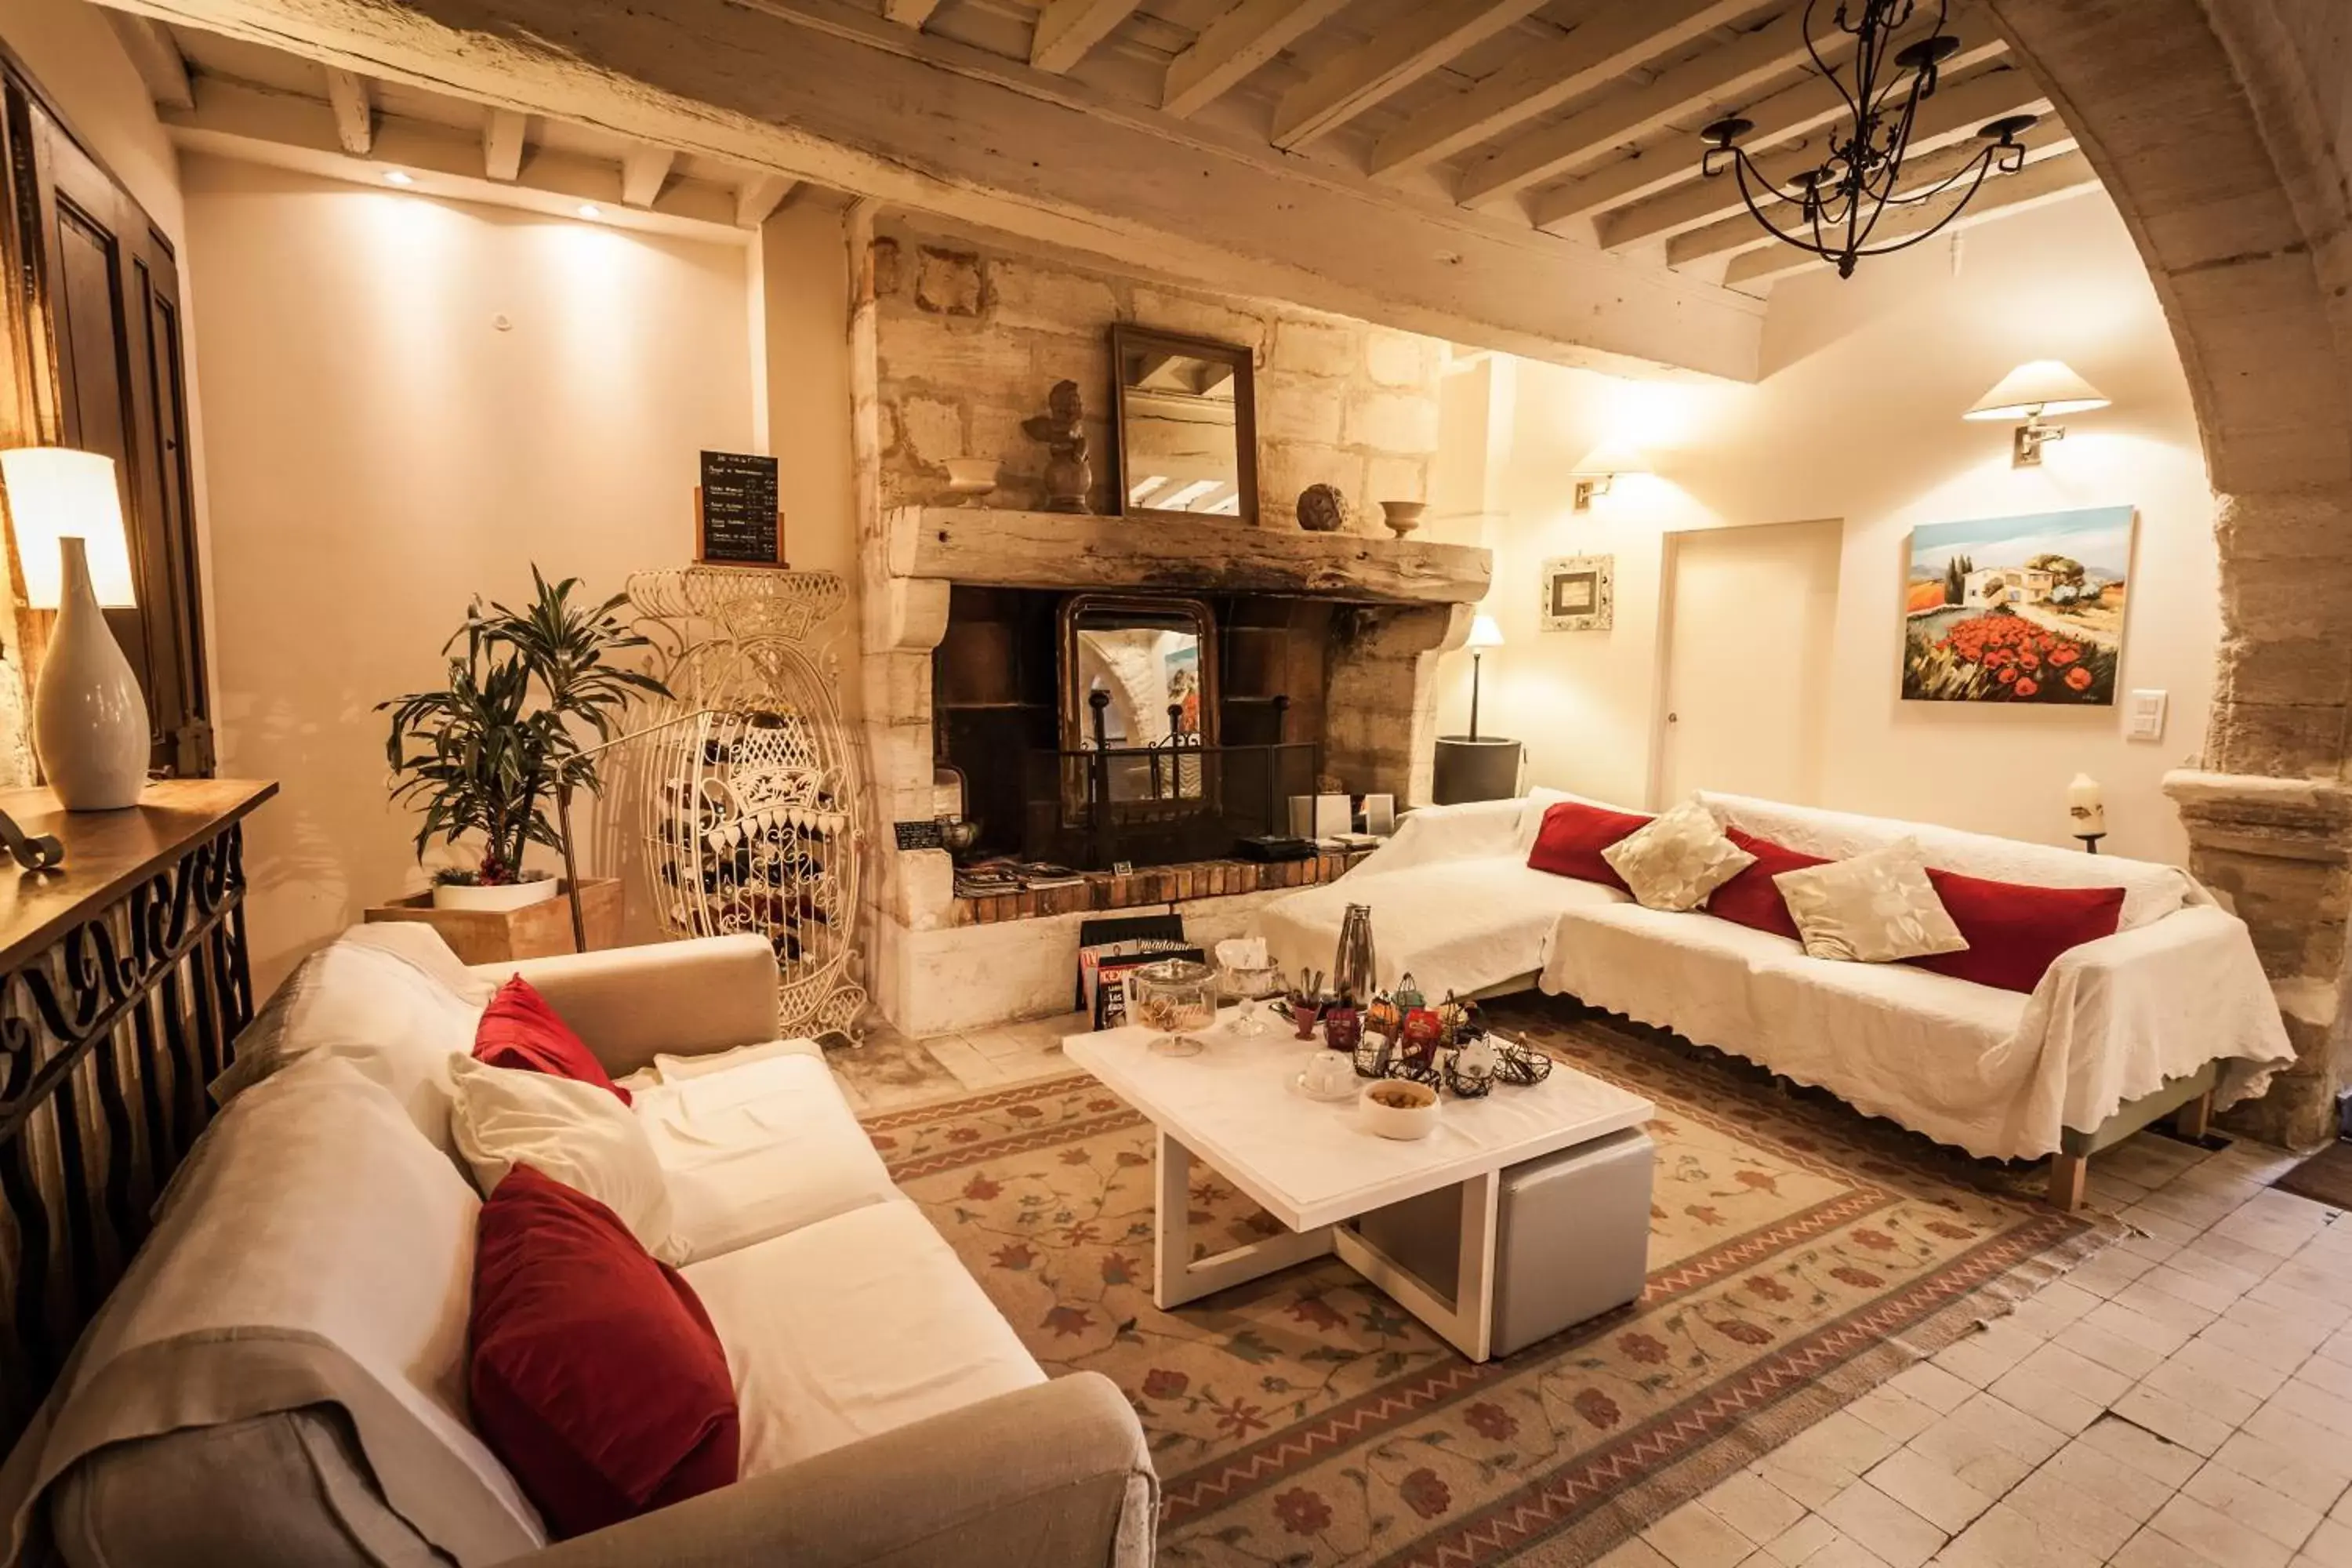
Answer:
(969, 339)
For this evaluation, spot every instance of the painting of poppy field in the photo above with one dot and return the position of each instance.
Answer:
(2018, 609)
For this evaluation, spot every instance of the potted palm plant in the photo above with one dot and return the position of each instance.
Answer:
(498, 755)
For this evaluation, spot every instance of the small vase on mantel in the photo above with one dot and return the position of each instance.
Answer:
(89, 720)
(1403, 516)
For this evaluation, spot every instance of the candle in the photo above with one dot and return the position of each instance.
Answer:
(2084, 807)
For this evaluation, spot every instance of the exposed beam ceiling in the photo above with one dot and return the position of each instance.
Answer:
(824, 92)
(355, 111)
(1613, 42)
(1808, 105)
(909, 13)
(759, 196)
(1066, 29)
(1557, 149)
(156, 57)
(1395, 58)
(502, 140)
(642, 172)
(1236, 43)
(2038, 184)
(1952, 116)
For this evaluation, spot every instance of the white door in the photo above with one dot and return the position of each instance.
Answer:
(1751, 617)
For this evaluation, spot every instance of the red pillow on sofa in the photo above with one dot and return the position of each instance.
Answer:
(1573, 836)
(520, 1030)
(2016, 933)
(595, 1374)
(1749, 898)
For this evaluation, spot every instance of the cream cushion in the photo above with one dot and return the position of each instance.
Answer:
(1872, 908)
(1677, 859)
(391, 999)
(576, 1134)
(852, 1327)
(765, 1146)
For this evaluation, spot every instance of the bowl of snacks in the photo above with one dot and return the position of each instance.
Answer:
(1397, 1108)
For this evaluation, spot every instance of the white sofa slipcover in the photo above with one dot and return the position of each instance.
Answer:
(2176, 991)
(287, 1356)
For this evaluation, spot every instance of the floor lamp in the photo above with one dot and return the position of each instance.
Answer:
(1474, 766)
(1483, 634)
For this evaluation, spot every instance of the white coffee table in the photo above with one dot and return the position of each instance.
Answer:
(1312, 1165)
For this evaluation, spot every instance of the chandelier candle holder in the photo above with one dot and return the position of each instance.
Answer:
(1840, 202)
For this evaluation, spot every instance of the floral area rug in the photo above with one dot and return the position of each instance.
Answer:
(1799, 1255)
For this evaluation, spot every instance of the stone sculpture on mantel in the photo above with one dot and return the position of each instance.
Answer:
(1061, 429)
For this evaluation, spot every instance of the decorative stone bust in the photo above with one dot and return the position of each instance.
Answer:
(1061, 429)
(1322, 508)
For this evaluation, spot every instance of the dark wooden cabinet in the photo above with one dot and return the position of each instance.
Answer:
(96, 293)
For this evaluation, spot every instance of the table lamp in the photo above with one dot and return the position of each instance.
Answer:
(1483, 634)
(89, 719)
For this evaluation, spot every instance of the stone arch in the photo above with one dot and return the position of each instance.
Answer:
(2209, 123)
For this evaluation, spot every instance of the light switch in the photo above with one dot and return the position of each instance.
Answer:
(2144, 716)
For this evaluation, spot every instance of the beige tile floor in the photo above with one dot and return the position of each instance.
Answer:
(2183, 1400)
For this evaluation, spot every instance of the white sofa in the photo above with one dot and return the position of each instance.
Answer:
(279, 1379)
(2120, 1030)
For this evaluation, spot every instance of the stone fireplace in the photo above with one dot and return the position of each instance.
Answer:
(954, 341)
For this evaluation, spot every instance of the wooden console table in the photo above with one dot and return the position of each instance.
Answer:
(123, 984)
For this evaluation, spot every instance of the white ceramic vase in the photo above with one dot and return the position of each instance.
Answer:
(89, 720)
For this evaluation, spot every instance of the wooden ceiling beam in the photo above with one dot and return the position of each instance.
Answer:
(503, 141)
(2038, 184)
(1737, 68)
(1952, 116)
(909, 13)
(644, 171)
(840, 97)
(1806, 105)
(1236, 43)
(1607, 46)
(760, 196)
(349, 94)
(1066, 29)
(155, 56)
(1392, 60)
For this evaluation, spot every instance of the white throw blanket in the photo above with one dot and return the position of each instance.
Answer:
(233, 1310)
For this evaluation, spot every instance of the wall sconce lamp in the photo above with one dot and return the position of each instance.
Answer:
(2031, 391)
(1600, 467)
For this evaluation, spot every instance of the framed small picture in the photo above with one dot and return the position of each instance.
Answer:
(1580, 595)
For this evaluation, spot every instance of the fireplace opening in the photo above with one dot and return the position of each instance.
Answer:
(1091, 728)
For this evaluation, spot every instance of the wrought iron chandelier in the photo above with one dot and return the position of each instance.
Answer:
(1840, 201)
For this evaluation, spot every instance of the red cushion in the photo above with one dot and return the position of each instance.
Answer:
(2015, 933)
(520, 1030)
(1749, 898)
(596, 1376)
(1573, 835)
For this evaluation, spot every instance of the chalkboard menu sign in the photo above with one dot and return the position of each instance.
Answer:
(738, 510)
(920, 836)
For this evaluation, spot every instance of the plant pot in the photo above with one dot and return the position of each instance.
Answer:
(537, 930)
(493, 896)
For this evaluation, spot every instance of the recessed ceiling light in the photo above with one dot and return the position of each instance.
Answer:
(591, 210)
(398, 177)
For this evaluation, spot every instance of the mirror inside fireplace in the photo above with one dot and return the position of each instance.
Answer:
(1187, 437)
(1138, 684)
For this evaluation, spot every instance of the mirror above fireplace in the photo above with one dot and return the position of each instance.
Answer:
(1186, 426)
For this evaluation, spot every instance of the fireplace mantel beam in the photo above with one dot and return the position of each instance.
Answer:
(1054, 549)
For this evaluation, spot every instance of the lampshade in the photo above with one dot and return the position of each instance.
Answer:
(2043, 386)
(1484, 633)
(55, 493)
(1611, 458)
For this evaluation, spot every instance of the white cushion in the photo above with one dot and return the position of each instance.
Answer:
(576, 1134)
(2151, 891)
(760, 1147)
(1874, 908)
(1456, 926)
(1676, 858)
(391, 999)
(851, 1327)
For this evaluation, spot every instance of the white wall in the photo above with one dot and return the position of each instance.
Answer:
(381, 449)
(1858, 419)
